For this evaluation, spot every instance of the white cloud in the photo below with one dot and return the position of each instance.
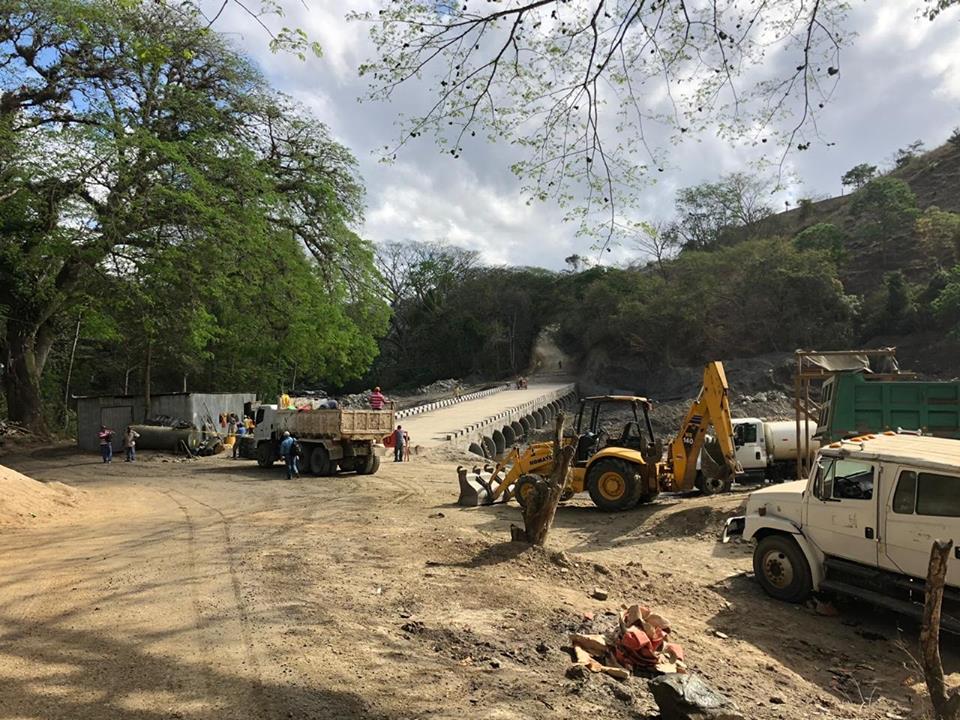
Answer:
(900, 80)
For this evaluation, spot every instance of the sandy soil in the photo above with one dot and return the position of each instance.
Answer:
(213, 589)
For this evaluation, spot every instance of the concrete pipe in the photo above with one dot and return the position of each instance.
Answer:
(476, 449)
(154, 437)
(518, 429)
(538, 419)
(526, 422)
(499, 442)
(489, 448)
(509, 436)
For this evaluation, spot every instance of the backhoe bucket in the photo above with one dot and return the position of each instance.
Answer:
(478, 487)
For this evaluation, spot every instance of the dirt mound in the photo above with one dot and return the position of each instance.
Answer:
(701, 521)
(23, 499)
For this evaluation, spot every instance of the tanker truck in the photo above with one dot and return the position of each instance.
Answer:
(767, 449)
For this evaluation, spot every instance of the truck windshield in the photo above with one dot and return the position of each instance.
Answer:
(840, 479)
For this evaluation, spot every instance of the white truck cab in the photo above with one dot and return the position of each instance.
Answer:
(767, 449)
(862, 524)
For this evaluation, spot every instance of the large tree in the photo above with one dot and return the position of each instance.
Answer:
(137, 146)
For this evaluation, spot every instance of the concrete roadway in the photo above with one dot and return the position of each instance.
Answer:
(431, 429)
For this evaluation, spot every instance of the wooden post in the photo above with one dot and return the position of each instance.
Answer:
(946, 706)
(543, 498)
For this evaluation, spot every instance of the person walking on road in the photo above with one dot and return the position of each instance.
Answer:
(398, 444)
(130, 443)
(377, 400)
(241, 430)
(106, 443)
(290, 451)
(406, 446)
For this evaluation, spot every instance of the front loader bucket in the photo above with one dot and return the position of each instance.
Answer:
(476, 487)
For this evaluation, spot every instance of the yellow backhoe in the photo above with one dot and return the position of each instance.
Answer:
(620, 471)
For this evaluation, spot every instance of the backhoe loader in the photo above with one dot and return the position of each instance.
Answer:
(620, 472)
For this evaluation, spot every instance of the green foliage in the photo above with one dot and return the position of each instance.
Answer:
(706, 211)
(859, 175)
(151, 177)
(885, 210)
(939, 235)
(822, 236)
(772, 297)
(946, 307)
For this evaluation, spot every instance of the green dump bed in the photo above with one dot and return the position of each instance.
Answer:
(853, 404)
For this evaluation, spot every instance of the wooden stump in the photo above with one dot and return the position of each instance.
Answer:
(541, 502)
(946, 706)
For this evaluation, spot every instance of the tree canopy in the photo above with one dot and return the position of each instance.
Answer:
(151, 178)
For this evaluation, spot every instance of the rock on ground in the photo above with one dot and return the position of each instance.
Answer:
(689, 697)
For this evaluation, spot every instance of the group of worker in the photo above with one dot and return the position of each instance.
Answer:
(237, 428)
(105, 436)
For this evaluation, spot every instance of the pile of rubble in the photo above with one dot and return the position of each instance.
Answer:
(439, 387)
(638, 645)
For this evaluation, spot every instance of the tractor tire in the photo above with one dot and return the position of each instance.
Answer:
(782, 569)
(613, 484)
(369, 466)
(712, 485)
(320, 463)
(265, 456)
(524, 487)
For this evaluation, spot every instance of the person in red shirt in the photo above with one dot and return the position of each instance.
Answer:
(377, 400)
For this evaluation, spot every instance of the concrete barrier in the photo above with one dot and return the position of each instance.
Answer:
(447, 402)
(522, 420)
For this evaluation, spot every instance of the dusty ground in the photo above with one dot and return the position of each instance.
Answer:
(213, 589)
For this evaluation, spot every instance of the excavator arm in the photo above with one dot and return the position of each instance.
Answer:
(711, 408)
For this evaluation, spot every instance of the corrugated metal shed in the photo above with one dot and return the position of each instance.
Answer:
(118, 411)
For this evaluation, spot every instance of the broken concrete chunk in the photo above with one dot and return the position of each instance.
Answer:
(599, 594)
(689, 697)
(596, 645)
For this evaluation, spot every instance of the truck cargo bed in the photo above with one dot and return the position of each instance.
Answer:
(351, 424)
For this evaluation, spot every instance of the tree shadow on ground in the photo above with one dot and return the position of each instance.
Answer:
(857, 656)
(56, 672)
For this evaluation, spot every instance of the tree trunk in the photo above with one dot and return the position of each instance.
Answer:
(946, 706)
(146, 380)
(541, 503)
(21, 377)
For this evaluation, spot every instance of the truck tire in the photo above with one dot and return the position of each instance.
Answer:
(613, 484)
(265, 456)
(369, 465)
(782, 569)
(320, 463)
(712, 485)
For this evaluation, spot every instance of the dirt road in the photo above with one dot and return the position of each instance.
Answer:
(430, 429)
(213, 589)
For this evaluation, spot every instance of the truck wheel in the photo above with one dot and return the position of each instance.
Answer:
(613, 484)
(265, 456)
(782, 569)
(320, 463)
(348, 464)
(369, 465)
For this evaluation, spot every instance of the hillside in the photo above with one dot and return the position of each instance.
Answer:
(934, 177)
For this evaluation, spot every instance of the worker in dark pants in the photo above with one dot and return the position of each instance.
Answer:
(398, 444)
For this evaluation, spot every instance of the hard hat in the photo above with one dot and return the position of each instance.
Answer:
(286, 433)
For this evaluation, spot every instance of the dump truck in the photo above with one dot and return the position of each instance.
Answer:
(344, 440)
(624, 468)
(854, 403)
(862, 524)
(767, 449)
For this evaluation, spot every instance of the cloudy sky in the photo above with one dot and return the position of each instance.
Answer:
(900, 82)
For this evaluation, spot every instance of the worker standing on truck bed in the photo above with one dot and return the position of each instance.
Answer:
(290, 451)
(377, 400)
